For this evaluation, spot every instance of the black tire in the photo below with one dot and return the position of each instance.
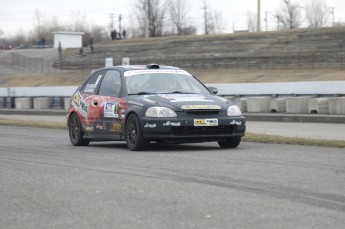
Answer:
(75, 130)
(134, 135)
(230, 143)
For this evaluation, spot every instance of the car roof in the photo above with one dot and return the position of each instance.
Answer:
(139, 67)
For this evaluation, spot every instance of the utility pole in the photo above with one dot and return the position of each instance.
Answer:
(259, 18)
(332, 12)
(146, 9)
(120, 19)
(205, 18)
(278, 21)
(111, 21)
(266, 20)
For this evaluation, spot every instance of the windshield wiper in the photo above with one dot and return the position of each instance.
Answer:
(181, 92)
(142, 93)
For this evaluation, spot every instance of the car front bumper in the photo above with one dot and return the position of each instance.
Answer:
(189, 129)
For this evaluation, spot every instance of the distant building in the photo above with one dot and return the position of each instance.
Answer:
(68, 39)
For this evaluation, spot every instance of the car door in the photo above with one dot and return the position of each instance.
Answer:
(107, 108)
(82, 100)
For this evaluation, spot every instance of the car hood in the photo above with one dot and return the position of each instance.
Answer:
(185, 101)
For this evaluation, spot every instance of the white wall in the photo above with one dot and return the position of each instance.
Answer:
(244, 89)
(68, 39)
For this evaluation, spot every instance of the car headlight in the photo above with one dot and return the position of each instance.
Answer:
(160, 112)
(234, 110)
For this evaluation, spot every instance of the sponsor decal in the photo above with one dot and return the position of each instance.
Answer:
(98, 79)
(80, 104)
(111, 110)
(237, 123)
(83, 107)
(147, 125)
(138, 72)
(116, 127)
(201, 107)
(168, 123)
(87, 127)
(90, 88)
(206, 122)
(186, 98)
(101, 126)
(123, 113)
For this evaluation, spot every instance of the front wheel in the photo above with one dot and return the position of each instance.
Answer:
(134, 135)
(76, 132)
(230, 142)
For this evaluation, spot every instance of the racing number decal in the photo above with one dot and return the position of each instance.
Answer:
(80, 104)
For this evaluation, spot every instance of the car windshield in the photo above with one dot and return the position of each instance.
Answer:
(162, 81)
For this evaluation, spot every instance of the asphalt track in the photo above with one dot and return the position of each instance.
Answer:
(47, 183)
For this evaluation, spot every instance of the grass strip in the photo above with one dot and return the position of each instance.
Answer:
(273, 139)
(250, 137)
(40, 124)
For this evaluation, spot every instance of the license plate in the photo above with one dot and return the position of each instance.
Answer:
(206, 122)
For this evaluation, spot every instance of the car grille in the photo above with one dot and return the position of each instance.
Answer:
(200, 131)
(202, 112)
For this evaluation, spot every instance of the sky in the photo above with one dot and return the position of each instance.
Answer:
(19, 15)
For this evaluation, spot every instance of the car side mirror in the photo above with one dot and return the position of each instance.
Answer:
(213, 90)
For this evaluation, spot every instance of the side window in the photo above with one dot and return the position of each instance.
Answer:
(91, 83)
(111, 84)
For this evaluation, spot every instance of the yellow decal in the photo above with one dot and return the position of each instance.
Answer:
(206, 122)
(201, 107)
(116, 127)
(199, 122)
(76, 98)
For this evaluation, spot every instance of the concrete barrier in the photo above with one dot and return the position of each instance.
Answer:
(298, 105)
(278, 105)
(258, 104)
(2, 102)
(23, 103)
(8, 102)
(56, 102)
(337, 105)
(41, 103)
(318, 106)
(66, 102)
(242, 103)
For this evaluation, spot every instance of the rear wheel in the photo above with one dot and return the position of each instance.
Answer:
(134, 135)
(76, 132)
(230, 142)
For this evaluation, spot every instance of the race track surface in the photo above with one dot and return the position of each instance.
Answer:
(45, 182)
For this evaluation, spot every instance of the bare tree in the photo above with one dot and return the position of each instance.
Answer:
(151, 15)
(78, 22)
(216, 22)
(39, 28)
(206, 18)
(289, 14)
(178, 12)
(317, 13)
(251, 21)
(98, 33)
(213, 20)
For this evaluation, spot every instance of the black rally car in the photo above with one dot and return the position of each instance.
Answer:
(140, 104)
